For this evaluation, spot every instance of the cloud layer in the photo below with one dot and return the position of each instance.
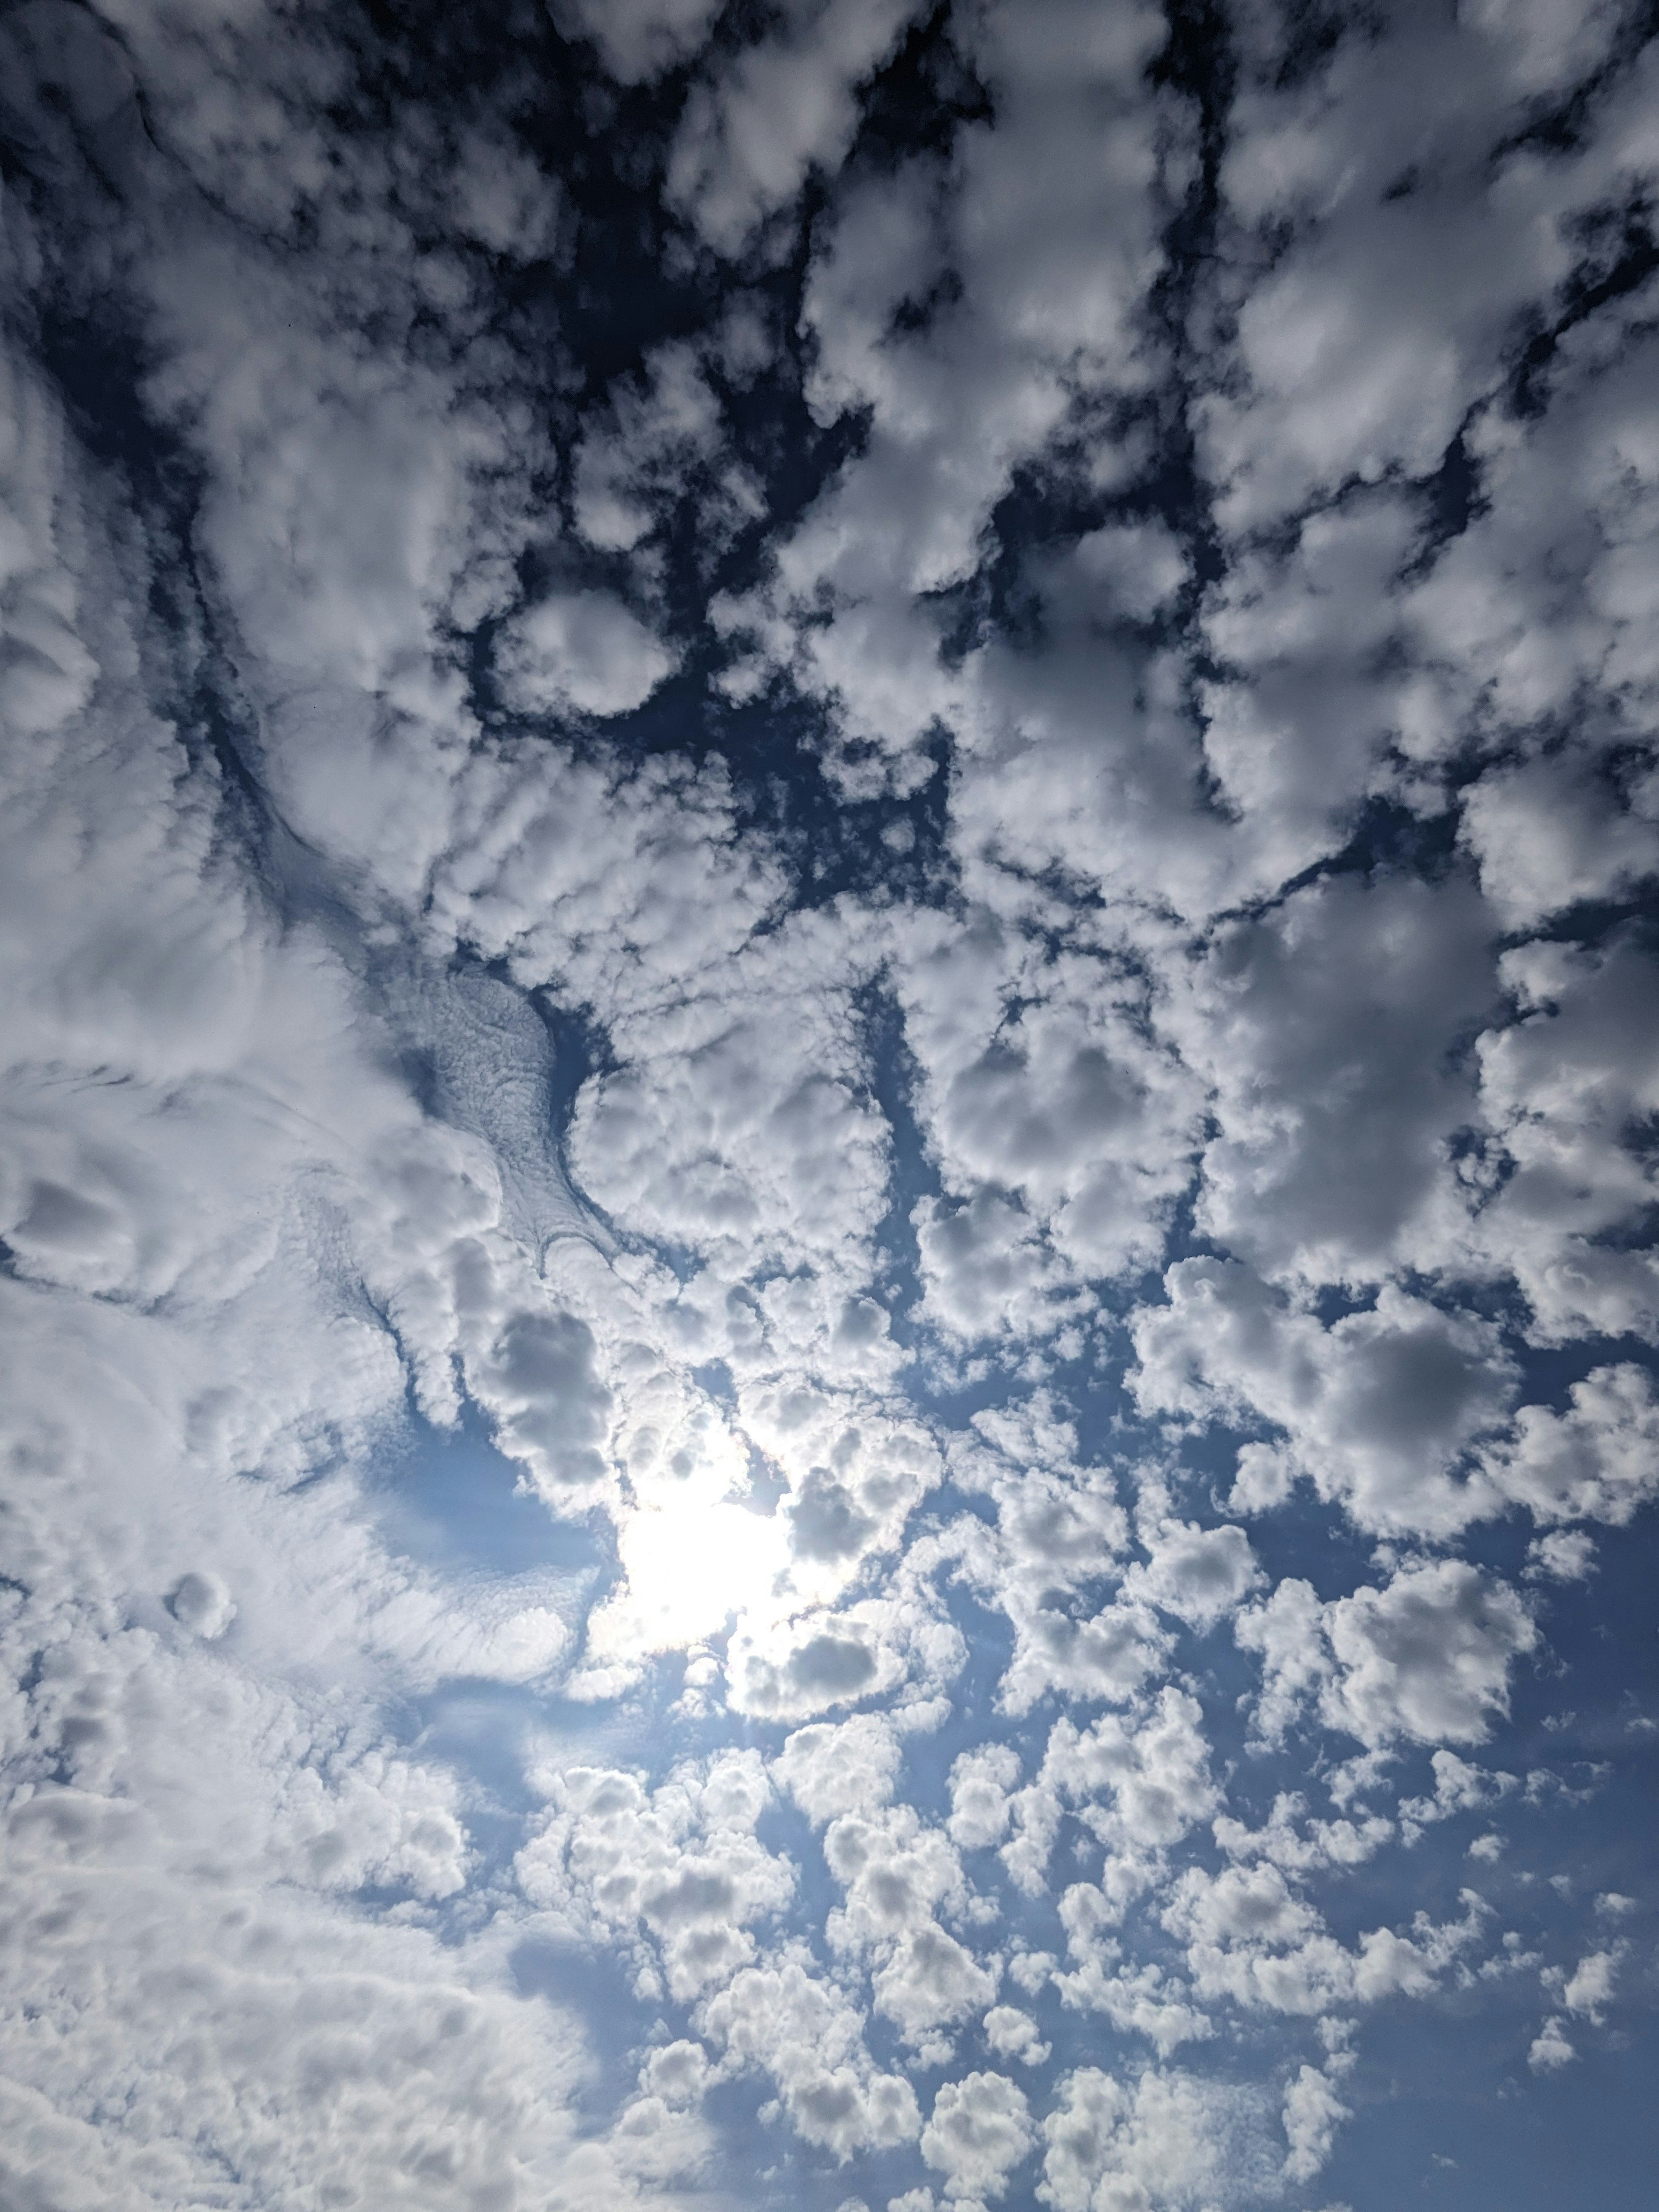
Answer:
(831, 1042)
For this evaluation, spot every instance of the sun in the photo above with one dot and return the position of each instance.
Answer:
(693, 1562)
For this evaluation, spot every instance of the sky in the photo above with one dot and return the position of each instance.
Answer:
(830, 1057)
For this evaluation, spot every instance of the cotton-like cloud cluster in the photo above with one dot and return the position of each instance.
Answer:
(826, 1098)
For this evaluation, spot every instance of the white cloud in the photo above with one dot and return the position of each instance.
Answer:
(1287, 1629)
(1379, 1409)
(1012, 2033)
(1428, 1655)
(1561, 1086)
(1550, 2050)
(1201, 1575)
(1141, 566)
(1599, 1460)
(1350, 376)
(1588, 1989)
(681, 1862)
(611, 881)
(1142, 2000)
(749, 136)
(819, 1660)
(1039, 1081)
(898, 1875)
(1321, 1843)
(780, 2017)
(201, 1602)
(311, 2051)
(552, 1406)
(1313, 2113)
(1328, 1027)
(1566, 1556)
(1059, 1531)
(980, 2130)
(1458, 1787)
(737, 1131)
(639, 39)
(833, 1768)
(1551, 833)
(666, 443)
(1165, 2139)
(980, 1780)
(380, 1069)
(1252, 1937)
(503, 200)
(1140, 1782)
(582, 650)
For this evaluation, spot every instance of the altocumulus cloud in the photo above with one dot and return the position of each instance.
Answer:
(830, 1051)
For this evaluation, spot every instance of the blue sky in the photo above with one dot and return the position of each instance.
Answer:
(829, 1076)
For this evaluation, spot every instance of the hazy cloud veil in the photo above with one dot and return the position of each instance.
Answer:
(831, 1064)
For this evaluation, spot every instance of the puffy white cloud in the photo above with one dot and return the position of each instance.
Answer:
(1323, 1842)
(750, 134)
(927, 1983)
(818, 1659)
(665, 446)
(1382, 320)
(681, 1862)
(1012, 2033)
(581, 650)
(987, 1270)
(1039, 1081)
(1313, 2113)
(1142, 2000)
(897, 1874)
(611, 881)
(1428, 1655)
(1106, 1654)
(1166, 2139)
(552, 1407)
(1140, 1786)
(312, 2052)
(201, 1602)
(503, 200)
(1458, 1787)
(979, 2131)
(1588, 1989)
(1300, 726)
(1561, 1088)
(1059, 1530)
(1140, 564)
(1550, 2050)
(981, 1781)
(1552, 832)
(1034, 339)
(1252, 1937)
(736, 1129)
(834, 1768)
(1425, 1658)
(1380, 1409)
(1509, 632)
(1328, 1026)
(1201, 1575)
(1599, 1460)
(1286, 1629)
(639, 39)
(374, 1058)
(1568, 1556)
(780, 2017)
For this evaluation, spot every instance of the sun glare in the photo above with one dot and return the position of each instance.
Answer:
(695, 1562)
